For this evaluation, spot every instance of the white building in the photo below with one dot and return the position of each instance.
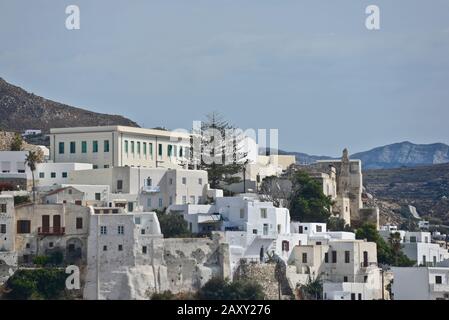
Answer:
(421, 283)
(348, 268)
(117, 242)
(31, 132)
(118, 146)
(49, 173)
(417, 246)
(157, 188)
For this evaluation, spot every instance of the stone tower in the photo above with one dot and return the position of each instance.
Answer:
(343, 181)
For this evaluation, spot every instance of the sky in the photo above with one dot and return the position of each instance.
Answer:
(310, 69)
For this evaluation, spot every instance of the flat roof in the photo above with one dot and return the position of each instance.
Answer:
(125, 129)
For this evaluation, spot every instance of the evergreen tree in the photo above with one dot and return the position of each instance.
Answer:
(217, 151)
(16, 144)
(308, 203)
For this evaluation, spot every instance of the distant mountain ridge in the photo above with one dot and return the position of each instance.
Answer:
(396, 155)
(21, 110)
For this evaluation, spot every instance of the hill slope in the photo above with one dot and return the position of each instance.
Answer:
(404, 154)
(425, 187)
(20, 110)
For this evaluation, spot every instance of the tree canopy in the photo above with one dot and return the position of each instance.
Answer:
(308, 203)
(219, 289)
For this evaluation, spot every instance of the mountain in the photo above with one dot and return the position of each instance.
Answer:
(403, 154)
(304, 158)
(396, 155)
(21, 110)
(425, 187)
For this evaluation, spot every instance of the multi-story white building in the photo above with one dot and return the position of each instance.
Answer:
(156, 188)
(418, 246)
(420, 283)
(118, 146)
(49, 173)
(348, 268)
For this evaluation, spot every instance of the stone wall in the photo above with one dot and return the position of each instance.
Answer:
(265, 275)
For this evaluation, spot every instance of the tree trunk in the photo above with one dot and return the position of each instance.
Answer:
(34, 187)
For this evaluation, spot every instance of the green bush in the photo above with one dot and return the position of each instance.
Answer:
(41, 260)
(48, 284)
(219, 289)
(173, 225)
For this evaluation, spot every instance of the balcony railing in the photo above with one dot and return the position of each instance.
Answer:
(51, 231)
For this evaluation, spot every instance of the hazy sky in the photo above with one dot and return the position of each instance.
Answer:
(309, 68)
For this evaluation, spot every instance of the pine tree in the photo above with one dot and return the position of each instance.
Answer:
(218, 151)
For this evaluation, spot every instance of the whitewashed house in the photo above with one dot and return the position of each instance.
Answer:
(420, 283)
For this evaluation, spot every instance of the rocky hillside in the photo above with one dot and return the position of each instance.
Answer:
(425, 187)
(404, 154)
(20, 110)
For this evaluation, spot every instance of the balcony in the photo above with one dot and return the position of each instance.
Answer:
(51, 231)
(151, 189)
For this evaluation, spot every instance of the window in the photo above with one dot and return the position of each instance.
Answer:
(192, 199)
(438, 279)
(424, 260)
(41, 175)
(184, 180)
(79, 223)
(347, 256)
(334, 256)
(170, 181)
(121, 229)
(149, 203)
(254, 231)
(132, 147)
(23, 226)
(200, 181)
(83, 146)
(103, 230)
(352, 296)
(138, 147)
(126, 146)
(106, 145)
(184, 200)
(169, 150)
(50, 244)
(180, 152)
(97, 196)
(120, 247)
(326, 257)
(265, 229)
(365, 279)
(119, 184)
(106, 166)
(72, 147)
(318, 243)
(61, 148)
(3, 207)
(144, 250)
(360, 296)
(53, 175)
(160, 202)
(434, 261)
(95, 166)
(150, 145)
(263, 213)
(242, 213)
(105, 248)
(319, 228)
(412, 239)
(3, 228)
(160, 149)
(149, 182)
(95, 146)
(285, 245)
(144, 148)
(137, 220)
(304, 257)
(64, 174)
(142, 231)
(345, 279)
